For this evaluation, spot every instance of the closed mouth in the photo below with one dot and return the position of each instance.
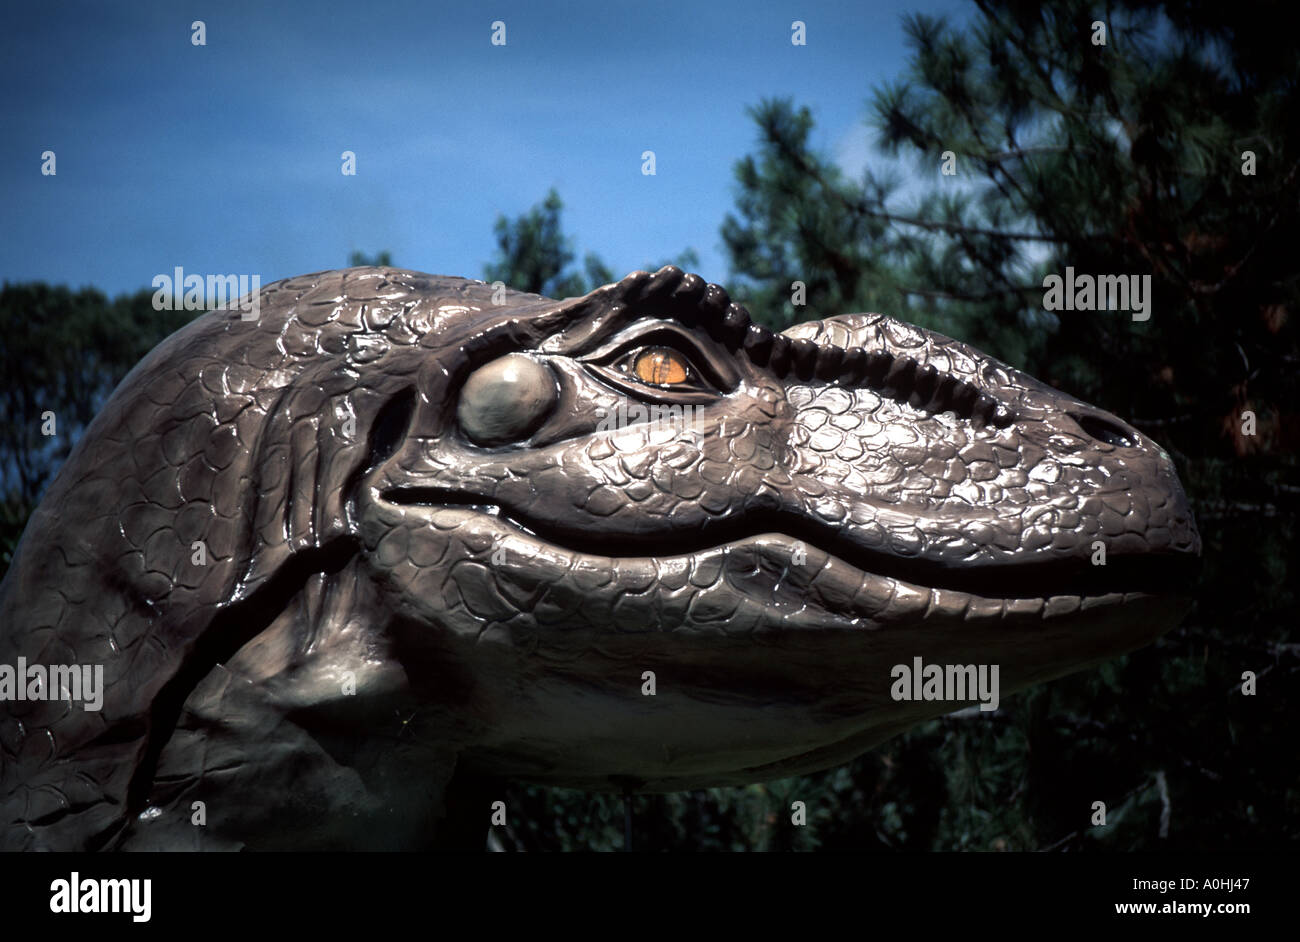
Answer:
(1155, 573)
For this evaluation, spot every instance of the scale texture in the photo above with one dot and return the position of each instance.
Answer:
(401, 528)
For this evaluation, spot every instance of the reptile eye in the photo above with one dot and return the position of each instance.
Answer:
(662, 366)
(661, 362)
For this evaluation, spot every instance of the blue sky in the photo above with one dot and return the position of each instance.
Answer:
(226, 158)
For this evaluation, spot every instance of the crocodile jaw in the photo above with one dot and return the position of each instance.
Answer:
(761, 668)
(944, 509)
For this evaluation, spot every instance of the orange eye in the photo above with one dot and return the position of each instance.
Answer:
(661, 366)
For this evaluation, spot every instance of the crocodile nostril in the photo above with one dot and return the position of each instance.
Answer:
(1105, 430)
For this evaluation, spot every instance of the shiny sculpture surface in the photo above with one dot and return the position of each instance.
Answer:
(391, 532)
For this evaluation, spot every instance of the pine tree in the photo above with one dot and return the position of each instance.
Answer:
(1123, 152)
(534, 255)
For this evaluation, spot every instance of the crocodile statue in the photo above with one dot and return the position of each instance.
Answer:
(402, 532)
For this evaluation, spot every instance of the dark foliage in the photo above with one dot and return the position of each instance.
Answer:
(1123, 158)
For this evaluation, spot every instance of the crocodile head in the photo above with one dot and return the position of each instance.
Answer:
(623, 540)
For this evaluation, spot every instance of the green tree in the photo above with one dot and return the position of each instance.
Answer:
(379, 259)
(64, 353)
(1122, 158)
(534, 255)
(798, 222)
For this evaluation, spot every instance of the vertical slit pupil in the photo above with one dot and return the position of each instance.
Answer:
(660, 367)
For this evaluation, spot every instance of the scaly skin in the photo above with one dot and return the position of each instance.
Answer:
(424, 560)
